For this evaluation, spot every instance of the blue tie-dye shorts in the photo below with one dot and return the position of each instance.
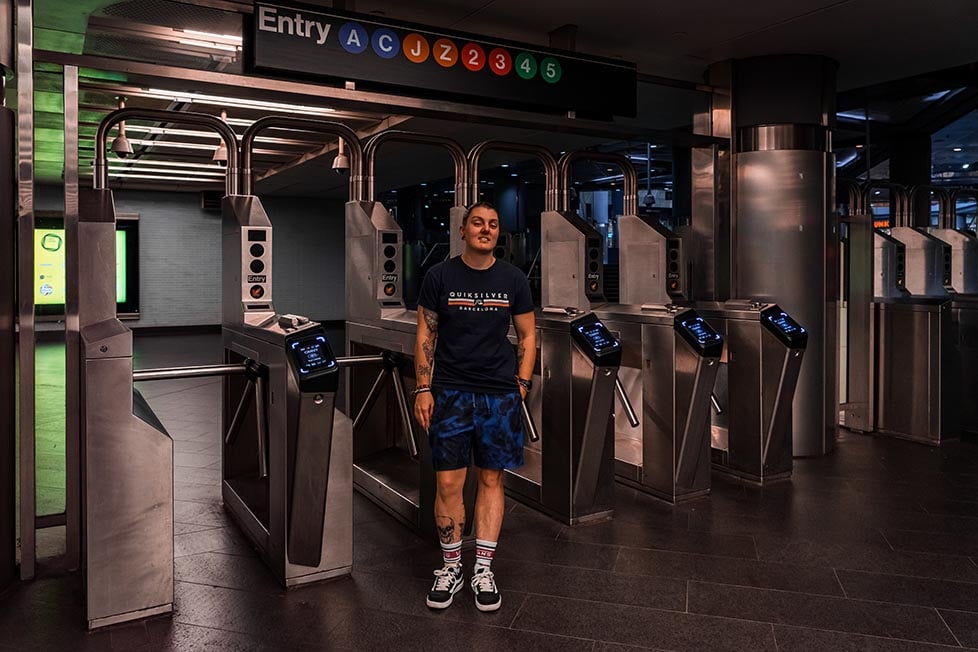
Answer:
(485, 428)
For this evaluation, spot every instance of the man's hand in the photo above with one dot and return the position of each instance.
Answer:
(522, 392)
(424, 406)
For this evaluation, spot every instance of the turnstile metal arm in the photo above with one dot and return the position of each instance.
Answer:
(528, 425)
(716, 404)
(392, 363)
(176, 373)
(623, 397)
(254, 390)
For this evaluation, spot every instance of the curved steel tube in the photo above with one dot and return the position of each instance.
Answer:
(352, 142)
(943, 202)
(544, 155)
(960, 192)
(630, 198)
(101, 179)
(898, 191)
(399, 136)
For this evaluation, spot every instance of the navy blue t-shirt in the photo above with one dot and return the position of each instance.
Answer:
(474, 308)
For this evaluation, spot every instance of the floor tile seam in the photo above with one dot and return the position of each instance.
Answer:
(741, 586)
(842, 586)
(682, 552)
(876, 636)
(909, 577)
(953, 635)
(583, 568)
(279, 592)
(526, 596)
(774, 637)
(848, 599)
(178, 391)
(851, 599)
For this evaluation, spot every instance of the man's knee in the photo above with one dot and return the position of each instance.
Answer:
(491, 478)
(450, 483)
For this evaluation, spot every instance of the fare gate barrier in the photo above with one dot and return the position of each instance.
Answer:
(751, 433)
(915, 370)
(127, 475)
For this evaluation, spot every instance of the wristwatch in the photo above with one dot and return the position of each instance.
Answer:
(524, 383)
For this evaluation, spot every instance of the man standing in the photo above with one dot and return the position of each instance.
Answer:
(471, 405)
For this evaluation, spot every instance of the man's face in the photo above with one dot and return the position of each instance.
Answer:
(481, 230)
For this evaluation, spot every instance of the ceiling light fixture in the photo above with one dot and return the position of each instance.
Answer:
(232, 102)
(172, 164)
(155, 177)
(956, 149)
(194, 173)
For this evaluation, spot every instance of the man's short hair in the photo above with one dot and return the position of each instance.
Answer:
(480, 204)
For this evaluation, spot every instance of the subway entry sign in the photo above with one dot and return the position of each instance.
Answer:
(394, 56)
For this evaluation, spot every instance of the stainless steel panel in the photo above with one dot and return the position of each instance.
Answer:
(568, 281)
(73, 471)
(964, 259)
(25, 283)
(889, 267)
(925, 261)
(856, 413)
(707, 239)
(242, 213)
(643, 261)
(366, 301)
(786, 251)
(8, 348)
(964, 314)
(918, 377)
(128, 499)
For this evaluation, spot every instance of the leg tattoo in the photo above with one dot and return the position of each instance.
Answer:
(445, 532)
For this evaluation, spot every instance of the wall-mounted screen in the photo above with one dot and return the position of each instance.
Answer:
(49, 266)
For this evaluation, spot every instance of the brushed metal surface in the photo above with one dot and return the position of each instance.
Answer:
(73, 471)
(755, 386)
(856, 412)
(366, 302)
(25, 283)
(707, 238)
(925, 261)
(128, 539)
(889, 267)
(8, 348)
(964, 314)
(917, 370)
(239, 213)
(786, 251)
(564, 261)
(643, 261)
(964, 259)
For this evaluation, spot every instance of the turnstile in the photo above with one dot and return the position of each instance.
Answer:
(569, 472)
(286, 458)
(751, 431)
(287, 454)
(670, 359)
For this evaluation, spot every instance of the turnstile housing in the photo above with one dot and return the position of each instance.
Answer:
(670, 358)
(756, 387)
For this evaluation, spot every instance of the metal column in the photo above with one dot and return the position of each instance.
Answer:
(72, 357)
(25, 270)
(8, 407)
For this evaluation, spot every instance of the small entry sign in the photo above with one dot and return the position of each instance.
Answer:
(296, 39)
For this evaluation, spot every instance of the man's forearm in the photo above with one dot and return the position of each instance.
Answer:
(424, 348)
(526, 352)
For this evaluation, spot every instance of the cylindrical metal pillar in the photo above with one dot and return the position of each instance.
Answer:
(784, 226)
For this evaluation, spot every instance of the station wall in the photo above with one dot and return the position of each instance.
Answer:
(180, 255)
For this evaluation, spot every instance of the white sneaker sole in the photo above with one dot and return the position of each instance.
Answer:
(447, 603)
(488, 607)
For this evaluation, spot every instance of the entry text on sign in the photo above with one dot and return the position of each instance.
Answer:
(269, 20)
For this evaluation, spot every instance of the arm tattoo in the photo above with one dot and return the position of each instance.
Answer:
(425, 362)
(520, 353)
(445, 532)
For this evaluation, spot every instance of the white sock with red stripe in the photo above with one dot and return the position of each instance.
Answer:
(451, 553)
(484, 550)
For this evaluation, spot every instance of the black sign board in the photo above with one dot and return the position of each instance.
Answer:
(312, 43)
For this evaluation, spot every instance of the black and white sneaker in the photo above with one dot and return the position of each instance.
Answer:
(448, 582)
(487, 596)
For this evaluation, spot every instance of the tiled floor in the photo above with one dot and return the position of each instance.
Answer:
(872, 548)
